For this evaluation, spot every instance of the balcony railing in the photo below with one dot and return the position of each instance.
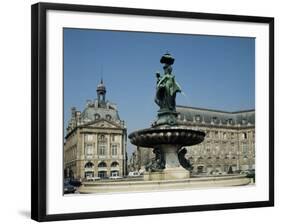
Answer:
(114, 168)
(102, 168)
(87, 169)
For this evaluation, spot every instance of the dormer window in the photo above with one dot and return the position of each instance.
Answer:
(230, 121)
(108, 117)
(197, 118)
(97, 116)
(214, 120)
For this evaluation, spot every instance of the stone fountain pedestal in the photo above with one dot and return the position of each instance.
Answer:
(168, 174)
(168, 140)
(173, 170)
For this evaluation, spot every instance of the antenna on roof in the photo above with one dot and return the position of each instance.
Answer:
(101, 73)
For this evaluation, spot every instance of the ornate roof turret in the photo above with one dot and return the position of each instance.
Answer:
(101, 91)
(101, 88)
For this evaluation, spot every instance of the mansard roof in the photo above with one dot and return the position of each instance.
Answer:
(94, 111)
(243, 117)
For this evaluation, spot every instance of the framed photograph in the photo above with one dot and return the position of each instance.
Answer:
(141, 111)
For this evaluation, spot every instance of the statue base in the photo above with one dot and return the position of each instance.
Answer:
(166, 117)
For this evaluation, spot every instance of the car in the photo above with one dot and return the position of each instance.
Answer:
(115, 177)
(75, 183)
(68, 188)
(89, 178)
(249, 173)
(134, 174)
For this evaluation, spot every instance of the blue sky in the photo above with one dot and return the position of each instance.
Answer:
(214, 72)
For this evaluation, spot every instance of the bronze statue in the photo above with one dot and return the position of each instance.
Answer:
(166, 87)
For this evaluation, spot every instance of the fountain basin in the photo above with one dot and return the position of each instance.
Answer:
(177, 135)
(100, 187)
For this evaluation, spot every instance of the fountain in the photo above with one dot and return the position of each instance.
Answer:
(167, 134)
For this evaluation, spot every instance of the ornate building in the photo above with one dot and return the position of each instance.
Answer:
(229, 144)
(95, 140)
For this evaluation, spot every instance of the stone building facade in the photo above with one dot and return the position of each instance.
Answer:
(140, 158)
(95, 140)
(229, 144)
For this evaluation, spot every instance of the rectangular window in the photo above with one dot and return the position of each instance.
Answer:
(244, 135)
(102, 149)
(113, 137)
(89, 138)
(114, 150)
(88, 151)
(216, 134)
(217, 149)
(232, 149)
(102, 174)
(244, 148)
(208, 149)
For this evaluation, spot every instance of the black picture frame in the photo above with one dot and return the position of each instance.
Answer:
(39, 114)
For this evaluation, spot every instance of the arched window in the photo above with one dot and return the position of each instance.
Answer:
(89, 165)
(114, 164)
(102, 164)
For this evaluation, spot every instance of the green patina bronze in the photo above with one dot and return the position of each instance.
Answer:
(166, 90)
